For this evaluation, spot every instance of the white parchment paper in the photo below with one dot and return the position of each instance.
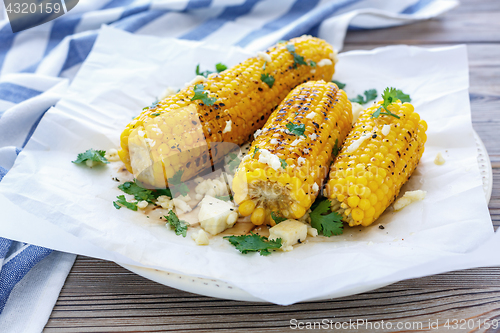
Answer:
(47, 200)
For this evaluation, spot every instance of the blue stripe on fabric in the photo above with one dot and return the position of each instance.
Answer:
(299, 8)
(32, 68)
(14, 270)
(132, 10)
(79, 49)
(3, 172)
(196, 4)
(18, 151)
(316, 17)
(33, 128)
(15, 93)
(230, 13)
(6, 41)
(117, 3)
(5, 245)
(416, 7)
(63, 26)
(134, 23)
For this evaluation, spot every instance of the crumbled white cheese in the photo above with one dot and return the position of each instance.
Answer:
(264, 56)
(386, 129)
(274, 141)
(334, 57)
(311, 115)
(165, 202)
(313, 232)
(216, 215)
(142, 204)
(356, 110)
(200, 237)
(180, 205)
(89, 163)
(141, 133)
(305, 150)
(296, 141)
(301, 161)
(168, 92)
(214, 187)
(312, 71)
(228, 126)
(315, 187)
(356, 144)
(198, 79)
(290, 232)
(324, 62)
(439, 160)
(151, 142)
(408, 198)
(112, 155)
(313, 136)
(268, 158)
(257, 133)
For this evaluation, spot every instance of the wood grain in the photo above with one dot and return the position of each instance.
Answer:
(101, 296)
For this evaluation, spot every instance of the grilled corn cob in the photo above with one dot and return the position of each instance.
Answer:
(284, 169)
(179, 133)
(378, 157)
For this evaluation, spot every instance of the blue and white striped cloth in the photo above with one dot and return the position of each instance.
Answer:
(37, 65)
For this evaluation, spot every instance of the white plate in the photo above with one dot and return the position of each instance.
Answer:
(221, 289)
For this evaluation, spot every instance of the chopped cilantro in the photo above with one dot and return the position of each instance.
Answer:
(224, 197)
(179, 226)
(336, 148)
(176, 185)
(220, 67)
(233, 162)
(283, 163)
(297, 59)
(370, 95)
(339, 84)
(281, 41)
(141, 193)
(267, 79)
(329, 224)
(200, 93)
(254, 243)
(92, 155)
(277, 219)
(390, 95)
(155, 114)
(123, 202)
(255, 151)
(312, 63)
(296, 129)
(264, 67)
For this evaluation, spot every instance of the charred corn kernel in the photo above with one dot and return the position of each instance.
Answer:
(385, 163)
(294, 166)
(241, 99)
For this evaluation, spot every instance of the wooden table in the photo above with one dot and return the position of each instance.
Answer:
(100, 296)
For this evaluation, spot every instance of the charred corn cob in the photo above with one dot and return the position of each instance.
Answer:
(377, 158)
(289, 159)
(179, 133)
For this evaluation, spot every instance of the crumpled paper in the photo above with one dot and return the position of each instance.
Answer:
(48, 201)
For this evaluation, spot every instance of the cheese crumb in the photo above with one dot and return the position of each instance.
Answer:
(142, 204)
(168, 92)
(311, 115)
(439, 160)
(200, 237)
(264, 56)
(386, 129)
(356, 144)
(112, 155)
(408, 198)
(315, 187)
(324, 62)
(228, 126)
(257, 133)
(301, 161)
(165, 202)
(313, 136)
(313, 232)
(296, 141)
(267, 158)
(198, 79)
(312, 71)
(181, 206)
(356, 111)
(334, 57)
(274, 142)
(290, 232)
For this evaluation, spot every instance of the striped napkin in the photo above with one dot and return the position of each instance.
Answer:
(37, 65)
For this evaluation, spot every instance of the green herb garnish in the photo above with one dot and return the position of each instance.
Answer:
(339, 84)
(370, 95)
(390, 95)
(176, 185)
(254, 243)
(297, 59)
(220, 67)
(336, 148)
(180, 227)
(267, 79)
(233, 162)
(329, 224)
(277, 219)
(201, 94)
(255, 151)
(93, 156)
(296, 129)
(312, 63)
(123, 202)
(283, 163)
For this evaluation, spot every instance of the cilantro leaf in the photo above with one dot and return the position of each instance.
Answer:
(205, 73)
(123, 202)
(339, 84)
(283, 163)
(370, 95)
(201, 94)
(329, 224)
(277, 219)
(233, 162)
(179, 226)
(312, 63)
(296, 129)
(267, 79)
(92, 155)
(138, 192)
(390, 95)
(220, 67)
(155, 114)
(176, 185)
(336, 148)
(254, 243)
(255, 151)
(297, 59)
(228, 197)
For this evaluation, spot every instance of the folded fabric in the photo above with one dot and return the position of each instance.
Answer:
(36, 66)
